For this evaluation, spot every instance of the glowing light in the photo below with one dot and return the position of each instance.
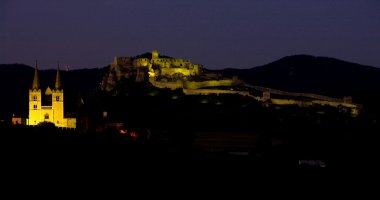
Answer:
(204, 101)
(133, 134)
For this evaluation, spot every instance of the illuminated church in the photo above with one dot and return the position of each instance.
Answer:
(48, 106)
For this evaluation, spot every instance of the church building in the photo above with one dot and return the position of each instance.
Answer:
(48, 106)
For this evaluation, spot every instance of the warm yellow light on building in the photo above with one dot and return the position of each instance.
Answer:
(54, 111)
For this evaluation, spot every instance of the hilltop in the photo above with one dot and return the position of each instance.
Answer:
(305, 73)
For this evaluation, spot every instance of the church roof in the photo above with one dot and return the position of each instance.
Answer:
(48, 91)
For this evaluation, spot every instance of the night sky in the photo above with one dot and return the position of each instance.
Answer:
(215, 33)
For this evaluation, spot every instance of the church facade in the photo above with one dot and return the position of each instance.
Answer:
(48, 106)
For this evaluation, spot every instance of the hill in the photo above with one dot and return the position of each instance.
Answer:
(16, 80)
(304, 73)
(320, 75)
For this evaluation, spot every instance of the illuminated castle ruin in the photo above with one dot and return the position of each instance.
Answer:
(167, 66)
(162, 72)
(49, 106)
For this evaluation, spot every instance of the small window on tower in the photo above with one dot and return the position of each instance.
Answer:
(57, 98)
(57, 122)
(35, 107)
(46, 116)
(34, 98)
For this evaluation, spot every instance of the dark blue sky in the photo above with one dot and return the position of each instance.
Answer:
(215, 33)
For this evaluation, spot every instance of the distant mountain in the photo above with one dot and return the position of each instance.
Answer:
(321, 75)
(16, 80)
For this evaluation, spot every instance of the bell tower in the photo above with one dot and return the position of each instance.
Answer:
(57, 101)
(35, 101)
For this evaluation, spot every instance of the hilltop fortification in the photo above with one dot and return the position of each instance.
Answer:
(162, 72)
(193, 79)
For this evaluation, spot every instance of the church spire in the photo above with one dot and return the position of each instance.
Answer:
(58, 79)
(36, 82)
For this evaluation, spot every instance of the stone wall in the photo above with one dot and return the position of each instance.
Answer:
(212, 91)
(294, 94)
(171, 71)
(169, 85)
(192, 85)
(119, 60)
(353, 108)
(168, 66)
(211, 83)
(141, 62)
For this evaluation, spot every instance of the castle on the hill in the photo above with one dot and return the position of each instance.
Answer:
(162, 72)
(156, 66)
(49, 106)
(192, 79)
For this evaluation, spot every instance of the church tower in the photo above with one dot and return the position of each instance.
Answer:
(57, 100)
(35, 100)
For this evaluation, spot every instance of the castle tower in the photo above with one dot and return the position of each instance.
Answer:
(35, 100)
(155, 55)
(57, 101)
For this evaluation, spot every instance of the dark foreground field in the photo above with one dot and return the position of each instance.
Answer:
(51, 150)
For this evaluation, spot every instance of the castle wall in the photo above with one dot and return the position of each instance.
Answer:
(203, 84)
(172, 62)
(193, 85)
(212, 91)
(334, 103)
(169, 85)
(141, 62)
(164, 63)
(285, 102)
(295, 94)
(118, 60)
(354, 108)
(172, 71)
